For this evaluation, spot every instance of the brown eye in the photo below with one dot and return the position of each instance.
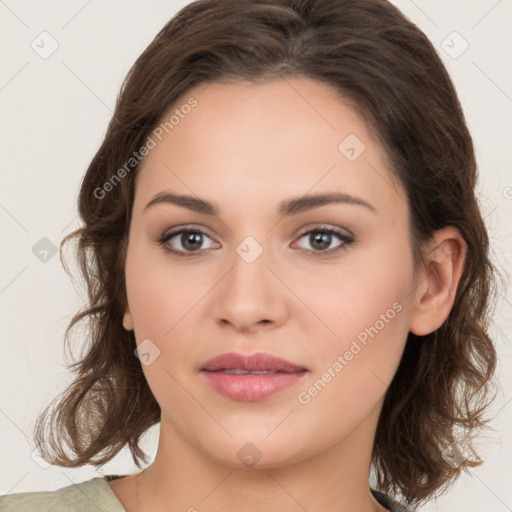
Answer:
(184, 241)
(191, 240)
(320, 240)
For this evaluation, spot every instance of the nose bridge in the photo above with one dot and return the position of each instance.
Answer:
(249, 275)
(248, 294)
(250, 250)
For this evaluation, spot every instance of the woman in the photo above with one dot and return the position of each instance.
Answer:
(287, 269)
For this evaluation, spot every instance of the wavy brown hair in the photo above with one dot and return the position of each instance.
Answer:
(380, 62)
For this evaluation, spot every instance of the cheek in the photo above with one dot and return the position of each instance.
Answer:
(354, 368)
(161, 301)
(159, 294)
(165, 298)
(353, 294)
(364, 306)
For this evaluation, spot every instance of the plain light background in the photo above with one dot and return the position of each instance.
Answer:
(54, 112)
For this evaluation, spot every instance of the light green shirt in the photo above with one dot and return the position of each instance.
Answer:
(95, 495)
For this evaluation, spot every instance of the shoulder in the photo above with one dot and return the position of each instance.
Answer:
(94, 495)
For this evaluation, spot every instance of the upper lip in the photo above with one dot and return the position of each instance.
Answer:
(250, 362)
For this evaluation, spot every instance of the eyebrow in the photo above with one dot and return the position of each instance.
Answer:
(292, 206)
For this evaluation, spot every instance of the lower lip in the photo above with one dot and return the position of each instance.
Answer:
(251, 388)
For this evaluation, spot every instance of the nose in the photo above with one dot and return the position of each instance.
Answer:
(250, 296)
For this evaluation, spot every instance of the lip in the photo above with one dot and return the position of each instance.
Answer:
(218, 372)
(250, 362)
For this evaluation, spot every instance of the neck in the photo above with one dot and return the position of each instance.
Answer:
(183, 477)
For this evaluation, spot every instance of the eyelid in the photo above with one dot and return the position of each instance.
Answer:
(346, 237)
(326, 227)
(172, 232)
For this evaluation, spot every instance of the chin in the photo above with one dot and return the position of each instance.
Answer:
(254, 451)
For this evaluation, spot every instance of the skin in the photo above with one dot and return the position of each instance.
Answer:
(245, 148)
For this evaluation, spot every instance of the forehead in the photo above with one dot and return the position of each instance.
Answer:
(263, 142)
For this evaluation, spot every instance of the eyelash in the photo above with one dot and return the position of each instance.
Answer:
(346, 239)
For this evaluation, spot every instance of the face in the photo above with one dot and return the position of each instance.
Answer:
(326, 285)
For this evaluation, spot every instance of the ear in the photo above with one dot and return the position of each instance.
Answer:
(127, 318)
(437, 283)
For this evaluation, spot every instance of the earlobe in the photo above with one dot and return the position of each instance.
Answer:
(127, 319)
(435, 294)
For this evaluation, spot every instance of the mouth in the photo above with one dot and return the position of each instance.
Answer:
(253, 363)
(239, 371)
(251, 377)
